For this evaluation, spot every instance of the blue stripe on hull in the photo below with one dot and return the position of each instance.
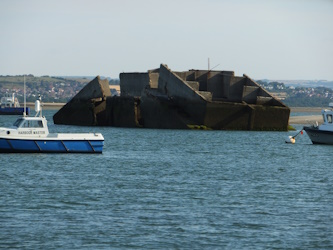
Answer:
(4, 144)
(51, 146)
(41, 146)
(97, 145)
(75, 145)
(23, 145)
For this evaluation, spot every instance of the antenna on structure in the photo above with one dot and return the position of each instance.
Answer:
(210, 69)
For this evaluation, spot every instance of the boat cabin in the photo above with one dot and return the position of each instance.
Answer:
(25, 123)
(31, 125)
(327, 116)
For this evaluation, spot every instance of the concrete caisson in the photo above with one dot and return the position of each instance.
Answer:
(193, 99)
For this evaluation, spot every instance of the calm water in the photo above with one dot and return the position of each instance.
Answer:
(170, 189)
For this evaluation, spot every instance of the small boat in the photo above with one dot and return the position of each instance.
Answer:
(322, 134)
(31, 135)
(10, 106)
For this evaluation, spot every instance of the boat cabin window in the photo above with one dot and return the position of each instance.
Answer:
(329, 118)
(18, 122)
(28, 123)
(33, 124)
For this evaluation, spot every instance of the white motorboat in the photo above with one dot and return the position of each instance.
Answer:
(322, 134)
(31, 135)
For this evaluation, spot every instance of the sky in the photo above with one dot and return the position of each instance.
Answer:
(265, 39)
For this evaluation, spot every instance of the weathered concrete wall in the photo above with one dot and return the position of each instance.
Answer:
(227, 76)
(194, 85)
(261, 91)
(233, 116)
(174, 86)
(215, 82)
(121, 111)
(160, 114)
(182, 75)
(155, 113)
(87, 107)
(132, 84)
(162, 98)
(236, 89)
(96, 88)
(76, 113)
(215, 85)
(271, 118)
(263, 97)
(199, 76)
(153, 80)
(227, 116)
(250, 94)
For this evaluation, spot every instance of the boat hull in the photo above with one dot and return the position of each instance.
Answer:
(318, 136)
(50, 146)
(14, 111)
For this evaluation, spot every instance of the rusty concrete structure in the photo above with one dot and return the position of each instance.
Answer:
(162, 98)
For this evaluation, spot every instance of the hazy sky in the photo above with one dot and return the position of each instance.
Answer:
(282, 39)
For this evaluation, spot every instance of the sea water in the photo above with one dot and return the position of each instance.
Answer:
(170, 189)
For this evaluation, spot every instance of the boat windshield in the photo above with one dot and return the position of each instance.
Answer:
(18, 122)
(28, 123)
(33, 124)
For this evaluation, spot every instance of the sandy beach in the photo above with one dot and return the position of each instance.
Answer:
(306, 109)
(306, 119)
